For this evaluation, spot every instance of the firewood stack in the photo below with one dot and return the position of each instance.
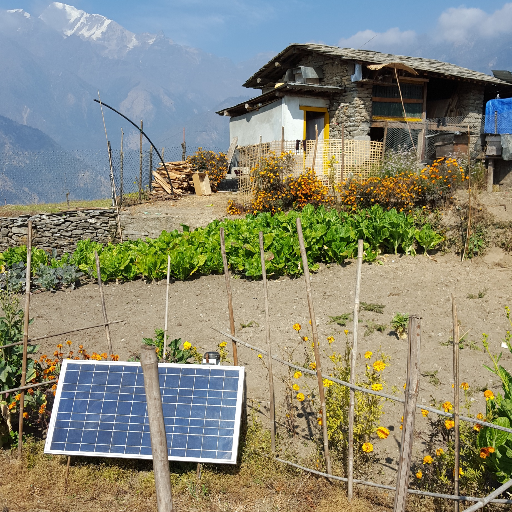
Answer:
(181, 180)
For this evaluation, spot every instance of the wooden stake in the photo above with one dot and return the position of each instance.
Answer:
(269, 348)
(26, 321)
(66, 475)
(103, 307)
(140, 158)
(411, 396)
(230, 298)
(315, 346)
(384, 140)
(159, 450)
(166, 305)
(282, 139)
(121, 164)
(456, 400)
(353, 356)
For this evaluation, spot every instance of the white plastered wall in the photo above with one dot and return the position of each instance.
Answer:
(267, 121)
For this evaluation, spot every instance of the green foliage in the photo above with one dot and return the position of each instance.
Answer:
(175, 352)
(374, 308)
(340, 320)
(481, 294)
(330, 237)
(399, 324)
(499, 411)
(371, 327)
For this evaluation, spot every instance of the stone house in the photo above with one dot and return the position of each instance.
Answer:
(360, 94)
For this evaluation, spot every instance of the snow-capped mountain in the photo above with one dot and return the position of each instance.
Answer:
(53, 66)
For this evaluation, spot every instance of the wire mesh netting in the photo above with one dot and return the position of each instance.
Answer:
(56, 176)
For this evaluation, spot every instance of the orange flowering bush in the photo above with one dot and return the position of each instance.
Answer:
(404, 190)
(215, 165)
(276, 189)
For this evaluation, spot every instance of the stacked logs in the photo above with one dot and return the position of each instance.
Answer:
(180, 174)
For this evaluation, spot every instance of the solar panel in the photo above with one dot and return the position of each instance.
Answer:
(100, 409)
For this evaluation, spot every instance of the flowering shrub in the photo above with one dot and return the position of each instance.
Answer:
(275, 189)
(213, 164)
(405, 189)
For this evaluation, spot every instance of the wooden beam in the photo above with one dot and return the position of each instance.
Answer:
(377, 99)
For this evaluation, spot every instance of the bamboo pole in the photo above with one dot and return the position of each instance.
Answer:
(26, 322)
(230, 297)
(269, 346)
(315, 345)
(150, 174)
(384, 140)
(166, 305)
(121, 169)
(490, 497)
(103, 307)
(28, 386)
(456, 400)
(140, 159)
(411, 396)
(342, 152)
(159, 450)
(282, 140)
(353, 355)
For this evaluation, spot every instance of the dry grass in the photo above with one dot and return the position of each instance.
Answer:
(14, 210)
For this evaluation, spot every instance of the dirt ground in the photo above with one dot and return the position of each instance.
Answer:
(414, 285)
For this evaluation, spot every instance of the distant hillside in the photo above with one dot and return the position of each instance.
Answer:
(35, 169)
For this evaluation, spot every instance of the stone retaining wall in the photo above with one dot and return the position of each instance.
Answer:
(61, 230)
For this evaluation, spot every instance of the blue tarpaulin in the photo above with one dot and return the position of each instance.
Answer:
(498, 116)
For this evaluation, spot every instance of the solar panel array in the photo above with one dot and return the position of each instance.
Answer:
(100, 409)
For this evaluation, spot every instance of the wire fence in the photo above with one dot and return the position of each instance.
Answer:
(59, 176)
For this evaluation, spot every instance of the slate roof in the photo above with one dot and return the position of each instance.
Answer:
(292, 54)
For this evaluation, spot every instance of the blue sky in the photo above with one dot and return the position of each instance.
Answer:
(240, 29)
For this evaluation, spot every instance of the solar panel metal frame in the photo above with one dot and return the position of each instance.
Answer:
(68, 364)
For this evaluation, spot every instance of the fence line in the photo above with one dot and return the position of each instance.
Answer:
(366, 390)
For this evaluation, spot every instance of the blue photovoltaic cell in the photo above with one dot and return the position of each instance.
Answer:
(100, 409)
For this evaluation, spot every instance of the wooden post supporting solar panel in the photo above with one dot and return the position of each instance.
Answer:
(26, 321)
(149, 363)
(166, 305)
(230, 297)
(412, 386)
(315, 346)
(353, 355)
(140, 158)
(269, 348)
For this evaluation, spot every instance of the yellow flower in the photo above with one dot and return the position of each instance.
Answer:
(297, 327)
(296, 387)
(464, 386)
(187, 345)
(439, 452)
(447, 406)
(330, 339)
(300, 397)
(376, 387)
(424, 412)
(25, 415)
(449, 424)
(484, 453)
(346, 331)
(260, 356)
(312, 366)
(368, 354)
(327, 383)
(222, 344)
(428, 459)
(379, 366)
(477, 427)
(69, 342)
(479, 416)
(297, 375)
(489, 395)
(305, 338)
(419, 475)
(319, 421)
(367, 447)
(382, 432)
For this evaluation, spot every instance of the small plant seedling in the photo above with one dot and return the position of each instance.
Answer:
(480, 295)
(399, 324)
(371, 327)
(252, 323)
(341, 320)
(432, 377)
(375, 308)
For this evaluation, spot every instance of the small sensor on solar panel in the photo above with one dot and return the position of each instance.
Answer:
(211, 358)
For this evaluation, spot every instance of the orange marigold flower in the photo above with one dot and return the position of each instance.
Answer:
(489, 395)
(449, 424)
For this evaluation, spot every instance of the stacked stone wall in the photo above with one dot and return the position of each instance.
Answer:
(60, 231)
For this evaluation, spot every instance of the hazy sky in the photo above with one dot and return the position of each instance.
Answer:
(240, 29)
